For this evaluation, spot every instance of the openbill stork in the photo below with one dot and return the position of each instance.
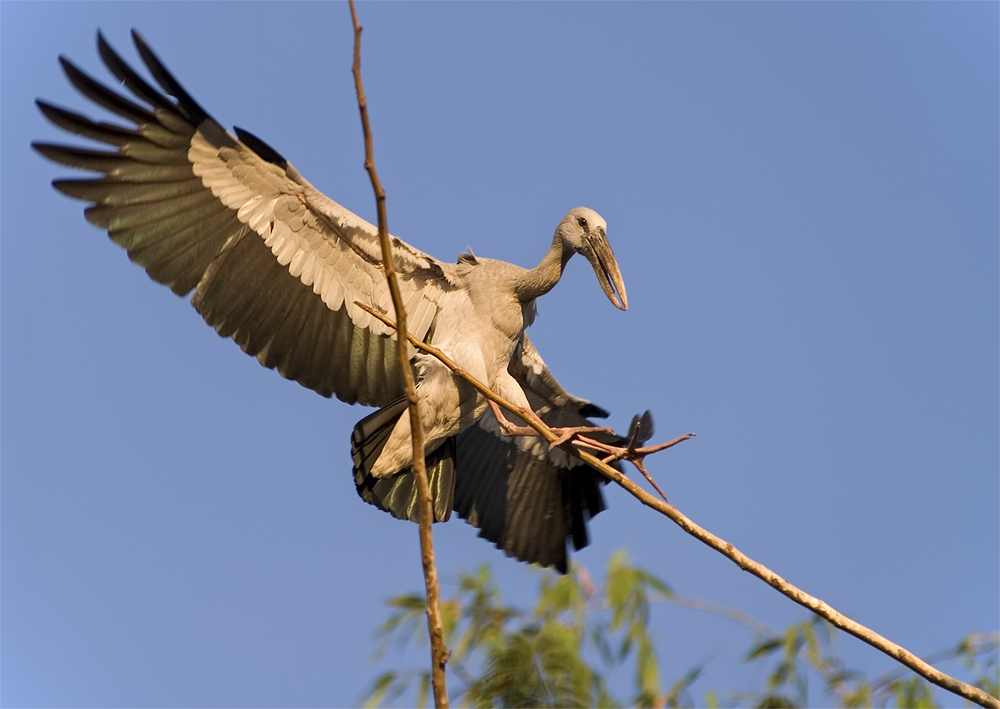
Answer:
(277, 266)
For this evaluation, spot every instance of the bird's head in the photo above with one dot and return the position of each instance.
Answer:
(585, 232)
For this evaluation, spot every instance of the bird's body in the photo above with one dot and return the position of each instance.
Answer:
(495, 300)
(280, 268)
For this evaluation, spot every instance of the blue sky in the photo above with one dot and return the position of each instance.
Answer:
(803, 199)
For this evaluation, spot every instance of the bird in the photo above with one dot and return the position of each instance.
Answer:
(284, 270)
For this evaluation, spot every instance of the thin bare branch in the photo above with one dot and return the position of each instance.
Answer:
(642, 469)
(723, 611)
(820, 608)
(439, 652)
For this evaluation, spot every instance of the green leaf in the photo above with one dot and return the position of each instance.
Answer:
(860, 697)
(451, 614)
(793, 641)
(762, 648)
(389, 686)
(711, 700)
(559, 596)
(423, 689)
(654, 582)
(619, 589)
(648, 669)
(403, 623)
(781, 675)
(913, 693)
(775, 701)
(379, 688)
(809, 634)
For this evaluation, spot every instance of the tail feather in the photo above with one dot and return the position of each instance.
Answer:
(397, 494)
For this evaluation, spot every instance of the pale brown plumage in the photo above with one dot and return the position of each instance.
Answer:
(277, 266)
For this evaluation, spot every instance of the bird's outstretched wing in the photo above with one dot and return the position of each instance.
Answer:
(273, 263)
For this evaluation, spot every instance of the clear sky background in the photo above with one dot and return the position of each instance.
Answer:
(803, 199)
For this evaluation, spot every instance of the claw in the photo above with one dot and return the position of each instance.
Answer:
(568, 433)
(564, 435)
(641, 431)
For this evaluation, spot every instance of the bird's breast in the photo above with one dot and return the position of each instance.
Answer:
(485, 332)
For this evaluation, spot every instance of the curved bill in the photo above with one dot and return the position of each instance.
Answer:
(602, 258)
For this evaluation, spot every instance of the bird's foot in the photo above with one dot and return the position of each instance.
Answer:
(563, 434)
(575, 433)
(632, 451)
(637, 454)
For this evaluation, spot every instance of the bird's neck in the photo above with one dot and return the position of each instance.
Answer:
(543, 277)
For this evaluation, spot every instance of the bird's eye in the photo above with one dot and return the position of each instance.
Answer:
(582, 222)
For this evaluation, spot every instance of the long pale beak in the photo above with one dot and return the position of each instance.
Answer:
(602, 258)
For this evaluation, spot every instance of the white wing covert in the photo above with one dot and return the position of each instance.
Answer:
(274, 264)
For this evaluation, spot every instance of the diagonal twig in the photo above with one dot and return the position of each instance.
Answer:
(817, 606)
(439, 652)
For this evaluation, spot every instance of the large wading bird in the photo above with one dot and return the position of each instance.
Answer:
(279, 268)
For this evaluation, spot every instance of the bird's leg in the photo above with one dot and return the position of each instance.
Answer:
(506, 427)
(562, 434)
